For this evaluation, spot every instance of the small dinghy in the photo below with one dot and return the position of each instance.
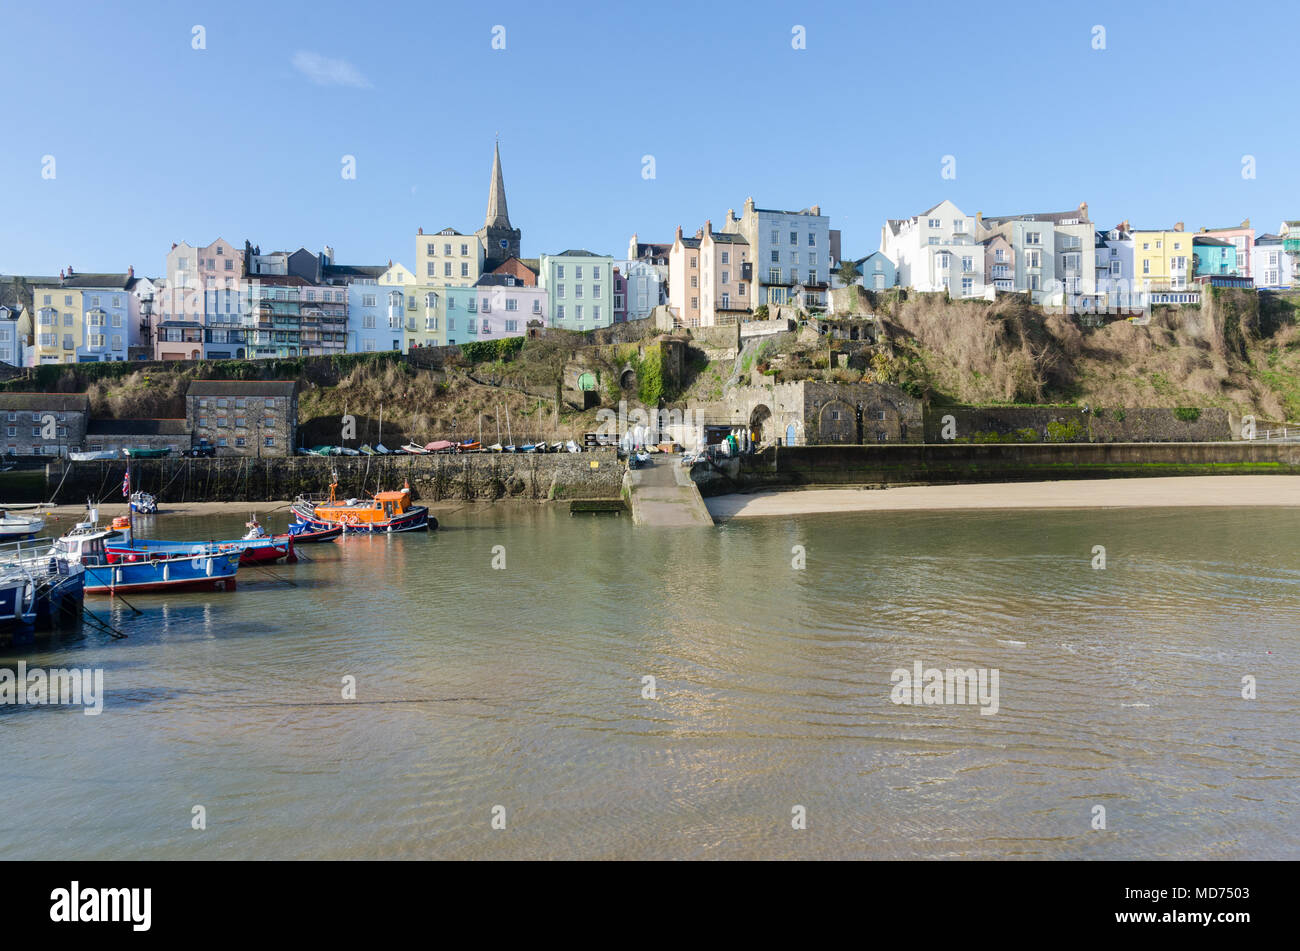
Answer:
(142, 503)
(14, 527)
(439, 445)
(382, 450)
(470, 446)
(415, 450)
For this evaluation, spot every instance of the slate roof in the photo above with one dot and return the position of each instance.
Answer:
(344, 271)
(263, 388)
(57, 402)
(137, 427)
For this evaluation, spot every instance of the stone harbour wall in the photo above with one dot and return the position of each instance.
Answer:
(433, 478)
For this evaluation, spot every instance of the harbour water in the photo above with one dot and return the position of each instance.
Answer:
(522, 687)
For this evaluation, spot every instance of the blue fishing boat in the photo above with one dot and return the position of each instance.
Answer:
(204, 566)
(17, 600)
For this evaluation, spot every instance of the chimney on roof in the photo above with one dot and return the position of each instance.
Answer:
(749, 205)
(699, 233)
(979, 220)
(70, 270)
(62, 276)
(1083, 210)
(679, 232)
(731, 215)
(1178, 226)
(1246, 223)
(130, 272)
(816, 210)
(419, 231)
(708, 226)
(390, 262)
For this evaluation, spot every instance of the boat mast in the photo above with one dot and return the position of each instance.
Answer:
(509, 437)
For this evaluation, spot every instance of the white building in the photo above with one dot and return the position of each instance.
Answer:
(1270, 263)
(1050, 252)
(937, 251)
(646, 287)
(1113, 253)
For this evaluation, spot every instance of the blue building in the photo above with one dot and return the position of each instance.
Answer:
(1214, 256)
(876, 272)
(792, 254)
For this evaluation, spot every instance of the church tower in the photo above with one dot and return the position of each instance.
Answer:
(499, 240)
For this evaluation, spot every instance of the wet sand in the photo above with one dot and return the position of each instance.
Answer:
(1183, 491)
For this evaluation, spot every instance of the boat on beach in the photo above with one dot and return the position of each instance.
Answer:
(93, 456)
(147, 453)
(142, 503)
(415, 450)
(384, 513)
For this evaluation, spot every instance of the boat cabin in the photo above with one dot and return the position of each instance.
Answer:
(383, 507)
(84, 545)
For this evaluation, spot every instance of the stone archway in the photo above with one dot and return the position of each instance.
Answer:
(627, 380)
(760, 425)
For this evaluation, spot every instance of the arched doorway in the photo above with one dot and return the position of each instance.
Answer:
(760, 424)
(789, 435)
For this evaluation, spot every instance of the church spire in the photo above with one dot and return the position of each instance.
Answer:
(497, 215)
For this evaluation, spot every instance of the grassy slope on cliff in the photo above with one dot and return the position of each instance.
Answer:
(1222, 354)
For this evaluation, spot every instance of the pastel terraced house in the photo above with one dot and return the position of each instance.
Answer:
(644, 289)
(790, 255)
(1242, 238)
(580, 289)
(1162, 260)
(1052, 256)
(90, 318)
(710, 278)
(507, 307)
(1214, 257)
(1274, 267)
(1113, 253)
(448, 258)
(201, 288)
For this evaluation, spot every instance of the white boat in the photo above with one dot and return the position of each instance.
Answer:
(19, 526)
(382, 449)
(415, 450)
(92, 456)
(144, 503)
(572, 446)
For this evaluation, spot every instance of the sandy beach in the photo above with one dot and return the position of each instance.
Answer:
(1184, 491)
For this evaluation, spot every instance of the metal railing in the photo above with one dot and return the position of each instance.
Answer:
(1285, 434)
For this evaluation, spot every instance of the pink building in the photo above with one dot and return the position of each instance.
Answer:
(199, 292)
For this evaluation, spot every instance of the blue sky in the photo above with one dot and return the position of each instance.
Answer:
(156, 142)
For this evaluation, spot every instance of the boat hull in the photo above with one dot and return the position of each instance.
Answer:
(202, 572)
(306, 534)
(415, 520)
(59, 600)
(18, 603)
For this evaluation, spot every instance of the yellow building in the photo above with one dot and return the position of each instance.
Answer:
(448, 258)
(1162, 260)
(57, 323)
(426, 309)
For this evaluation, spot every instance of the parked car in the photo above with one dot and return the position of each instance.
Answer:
(200, 449)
